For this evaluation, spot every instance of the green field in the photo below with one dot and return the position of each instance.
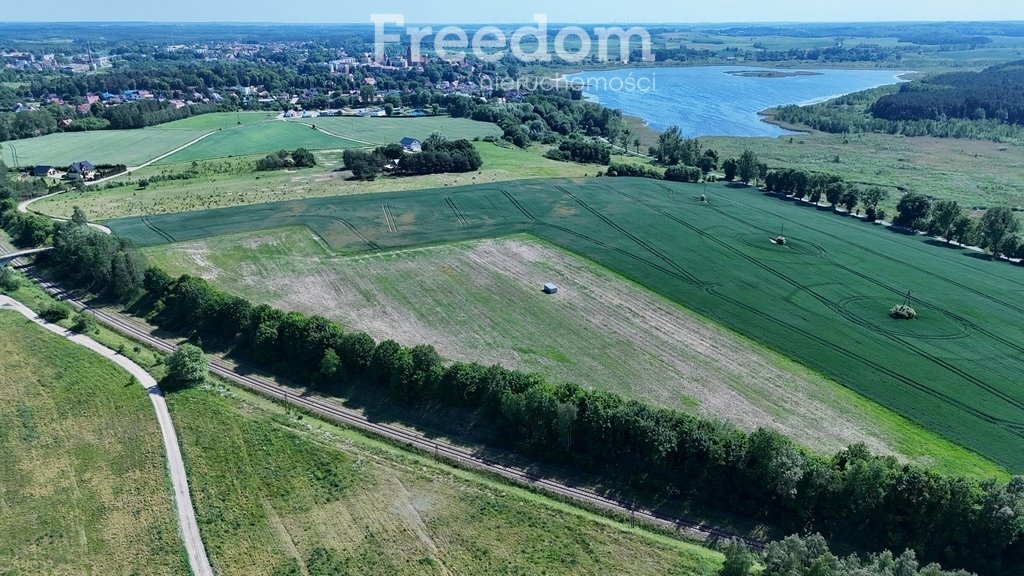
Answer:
(255, 139)
(83, 486)
(129, 147)
(276, 494)
(600, 332)
(233, 182)
(823, 299)
(388, 130)
(217, 121)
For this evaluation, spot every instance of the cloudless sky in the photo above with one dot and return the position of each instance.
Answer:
(504, 11)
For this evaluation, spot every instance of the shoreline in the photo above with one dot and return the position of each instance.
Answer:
(642, 125)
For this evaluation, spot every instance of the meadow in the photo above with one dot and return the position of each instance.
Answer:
(976, 173)
(278, 493)
(379, 131)
(233, 182)
(822, 299)
(83, 480)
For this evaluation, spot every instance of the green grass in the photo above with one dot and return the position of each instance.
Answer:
(270, 489)
(83, 484)
(973, 172)
(388, 130)
(232, 182)
(822, 300)
(256, 139)
(265, 137)
(129, 147)
(217, 121)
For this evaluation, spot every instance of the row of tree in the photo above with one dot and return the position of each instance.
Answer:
(815, 186)
(868, 501)
(995, 231)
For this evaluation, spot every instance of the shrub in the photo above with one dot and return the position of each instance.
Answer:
(903, 312)
(8, 280)
(83, 323)
(55, 312)
(186, 367)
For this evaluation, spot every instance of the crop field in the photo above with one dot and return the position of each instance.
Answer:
(378, 131)
(83, 486)
(276, 494)
(259, 138)
(822, 299)
(601, 332)
(233, 182)
(217, 121)
(129, 147)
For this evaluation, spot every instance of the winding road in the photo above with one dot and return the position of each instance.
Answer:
(197, 558)
(264, 385)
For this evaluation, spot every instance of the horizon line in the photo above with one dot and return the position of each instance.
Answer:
(510, 22)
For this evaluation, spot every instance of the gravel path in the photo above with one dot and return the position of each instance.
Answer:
(197, 558)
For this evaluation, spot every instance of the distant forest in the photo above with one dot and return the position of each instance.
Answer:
(995, 93)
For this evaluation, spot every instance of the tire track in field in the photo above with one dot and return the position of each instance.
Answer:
(455, 211)
(640, 242)
(899, 291)
(687, 278)
(905, 264)
(1015, 428)
(149, 224)
(389, 219)
(373, 245)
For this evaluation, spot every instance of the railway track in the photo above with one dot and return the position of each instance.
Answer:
(461, 456)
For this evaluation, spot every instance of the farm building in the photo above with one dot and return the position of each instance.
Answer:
(550, 289)
(44, 172)
(411, 145)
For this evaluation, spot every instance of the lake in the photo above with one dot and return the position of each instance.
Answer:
(720, 100)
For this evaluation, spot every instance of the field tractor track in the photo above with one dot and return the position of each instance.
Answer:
(683, 277)
(373, 245)
(636, 239)
(1012, 427)
(149, 224)
(899, 291)
(455, 211)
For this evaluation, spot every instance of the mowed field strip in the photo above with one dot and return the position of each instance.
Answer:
(823, 299)
(83, 485)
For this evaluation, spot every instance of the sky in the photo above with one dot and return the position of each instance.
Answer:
(516, 11)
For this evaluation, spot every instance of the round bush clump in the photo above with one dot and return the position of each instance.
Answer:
(903, 312)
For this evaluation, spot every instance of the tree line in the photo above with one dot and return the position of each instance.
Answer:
(853, 114)
(868, 501)
(996, 92)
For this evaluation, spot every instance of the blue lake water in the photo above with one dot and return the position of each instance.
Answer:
(708, 101)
